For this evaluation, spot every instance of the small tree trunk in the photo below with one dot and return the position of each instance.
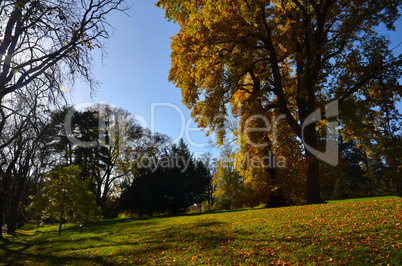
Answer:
(370, 190)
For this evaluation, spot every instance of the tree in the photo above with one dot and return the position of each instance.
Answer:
(79, 201)
(101, 140)
(186, 180)
(352, 177)
(146, 194)
(47, 41)
(293, 56)
(171, 183)
(44, 45)
(201, 184)
(61, 149)
(24, 155)
(227, 182)
(209, 163)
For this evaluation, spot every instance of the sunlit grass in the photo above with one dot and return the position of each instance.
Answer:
(355, 232)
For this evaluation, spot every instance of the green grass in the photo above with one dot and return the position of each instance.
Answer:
(362, 199)
(352, 233)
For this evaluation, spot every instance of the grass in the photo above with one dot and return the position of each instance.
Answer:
(362, 199)
(352, 233)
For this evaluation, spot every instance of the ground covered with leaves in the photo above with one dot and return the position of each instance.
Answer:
(350, 232)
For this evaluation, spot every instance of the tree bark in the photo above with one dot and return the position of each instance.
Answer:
(276, 198)
(4, 182)
(313, 195)
(1, 219)
(12, 218)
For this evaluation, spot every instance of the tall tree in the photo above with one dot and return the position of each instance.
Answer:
(173, 182)
(24, 155)
(49, 41)
(101, 141)
(209, 162)
(294, 56)
(44, 45)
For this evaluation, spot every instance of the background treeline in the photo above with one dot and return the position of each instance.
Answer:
(360, 173)
(108, 164)
(172, 183)
(102, 162)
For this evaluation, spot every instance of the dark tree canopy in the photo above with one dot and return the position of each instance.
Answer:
(172, 183)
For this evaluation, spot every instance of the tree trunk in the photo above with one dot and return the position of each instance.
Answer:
(1, 220)
(276, 198)
(12, 221)
(12, 218)
(313, 169)
(313, 185)
(370, 190)
(398, 188)
(21, 220)
(4, 183)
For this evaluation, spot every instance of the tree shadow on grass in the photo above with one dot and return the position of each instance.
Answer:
(184, 240)
(215, 212)
(145, 244)
(22, 253)
(42, 247)
(201, 234)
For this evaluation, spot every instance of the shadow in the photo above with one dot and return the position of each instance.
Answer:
(22, 248)
(200, 235)
(215, 212)
(196, 239)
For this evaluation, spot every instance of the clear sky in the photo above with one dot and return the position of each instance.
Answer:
(134, 74)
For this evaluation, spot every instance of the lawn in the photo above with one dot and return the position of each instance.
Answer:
(351, 232)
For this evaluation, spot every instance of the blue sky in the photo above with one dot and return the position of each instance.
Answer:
(134, 74)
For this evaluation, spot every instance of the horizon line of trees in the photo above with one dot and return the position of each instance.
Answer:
(142, 172)
(98, 165)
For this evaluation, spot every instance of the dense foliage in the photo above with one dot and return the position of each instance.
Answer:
(261, 60)
(171, 183)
